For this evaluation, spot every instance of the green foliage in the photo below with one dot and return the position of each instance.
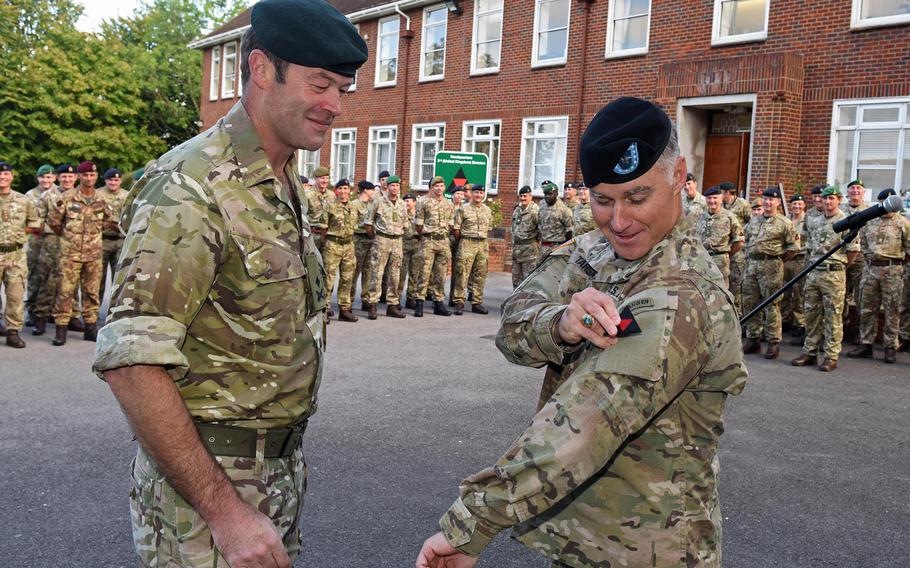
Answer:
(496, 206)
(119, 97)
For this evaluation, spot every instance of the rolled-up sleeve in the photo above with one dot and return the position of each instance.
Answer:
(174, 244)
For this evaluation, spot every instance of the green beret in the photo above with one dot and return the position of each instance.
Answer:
(727, 186)
(395, 179)
(549, 187)
(524, 189)
(858, 182)
(435, 180)
(713, 190)
(320, 171)
(45, 169)
(138, 174)
(831, 190)
(311, 33)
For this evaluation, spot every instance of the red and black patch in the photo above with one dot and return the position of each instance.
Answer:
(627, 323)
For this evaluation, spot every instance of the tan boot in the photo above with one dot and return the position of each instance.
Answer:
(803, 360)
(828, 366)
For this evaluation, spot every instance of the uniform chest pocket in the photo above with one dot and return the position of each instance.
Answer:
(268, 262)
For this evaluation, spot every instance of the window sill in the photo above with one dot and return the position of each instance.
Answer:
(482, 72)
(882, 22)
(740, 39)
(434, 79)
(627, 53)
(385, 85)
(547, 64)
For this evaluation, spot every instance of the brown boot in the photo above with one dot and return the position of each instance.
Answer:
(91, 332)
(890, 355)
(346, 315)
(40, 326)
(372, 312)
(751, 346)
(828, 366)
(76, 325)
(60, 336)
(861, 352)
(773, 350)
(394, 312)
(13, 339)
(459, 309)
(804, 359)
(479, 309)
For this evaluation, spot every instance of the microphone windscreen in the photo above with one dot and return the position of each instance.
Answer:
(893, 203)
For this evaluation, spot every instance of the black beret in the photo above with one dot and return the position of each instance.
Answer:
(341, 182)
(477, 187)
(524, 189)
(883, 194)
(771, 192)
(690, 177)
(112, 173)
(304, 179)
(713, 190)
(5, 167)
(410, 196)
(727, 186)
(384, 174)
(459, 188)
(817, 190)
(623, 141)
(796, 197)
(66, 169)
(311, 33)
(569, 185)
(364, 185)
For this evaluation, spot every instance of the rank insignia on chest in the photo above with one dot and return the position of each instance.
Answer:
(627, 323)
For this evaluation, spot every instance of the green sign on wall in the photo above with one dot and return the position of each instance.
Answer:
(460, 168)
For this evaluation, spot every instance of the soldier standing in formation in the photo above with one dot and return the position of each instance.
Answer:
(79, 217)
(433, 219)
(339, 256)
(582, 219)
(471, 228)
(525, 236)
(460, 195)
(693, 202)
(771, 240)
(856, 202)
(410, 257)
(385, 224)
(318, 198)
(570, 196)
(818, 205)
(112, 237)
(740, 208)
(362, 243)
(885, 243)
(826, 285)
(18, 217)
(555, 220)
(46, 178)
(792, 303)
(719, 231)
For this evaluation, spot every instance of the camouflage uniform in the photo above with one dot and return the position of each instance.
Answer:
(572, 204)
(453, 248)
(338, 254)
(17, 213)
(236, 315)
(885, 243)
(80, 220)
(363, 244)
(317, 205)
(47, 275)
(718, 233)
(825, 286)
(388, 219)
(697, 204)
(474, 222)
(583, 219)
(112, 239)
(792, 303)
(435, 216)
(411, 263)
(619, 466)
(740, 208)
(905, 306)
(767, 240)
(555, 222)
(853, 297)
(525, 241)
(35, 249)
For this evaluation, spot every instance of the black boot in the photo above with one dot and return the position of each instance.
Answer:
(40, 326)
(13, 339)
(439, 309)
(372, 312)
(418, 308)
(91, 332)
(2, 330)
(60, 336)
(76, 325)
(479, 309)
(459, 309)
(410, 304)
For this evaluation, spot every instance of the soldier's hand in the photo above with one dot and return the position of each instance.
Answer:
(248, 539)
(438, 553)
(601, 308)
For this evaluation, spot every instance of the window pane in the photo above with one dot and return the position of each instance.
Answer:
(626, 8)
(542, 174)
(878, 147)
(630, 33)
(843, 169)
(876, 180)
(847, 115)
(489, 27)
(742, 17)
(880, 8)
(389, 27)
(427, 153)
(485, 5)
(552, 45)
(881, 114)
(387, 70)
(487, 55)
(433, 63)
(544, 151)
(546, 128)
(436, 16)
(554, 14)
(436, 38)
(905, 182)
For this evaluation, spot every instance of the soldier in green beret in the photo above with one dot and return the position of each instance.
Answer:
(582, 220)
(433, 221)
(362, 242)
(46, 177)
(792, 303)
(525, 236)
(719, 231)
(339, 258)
(554, 219)
(385, 223)
(18, 217)
(318, 199)
(472, 224)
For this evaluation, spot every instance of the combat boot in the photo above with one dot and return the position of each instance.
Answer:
(40, 326)
(751, 346)
(439, 309)
(2, 330)
(904, 345)
(451, 302)
(828, 366)
(91, 332)
(410, 304)
(798, 331)
(394, 312)
(60, 336)
(331, 313)
(346, 315)
(382, 298)
(459, 309)
(364, 306)
(418, 308)
(76, 325)
(861, 352)
(479, 309)
(804, 359)
(773, 350)
(890, 356)
(13, 339)
(372, 312)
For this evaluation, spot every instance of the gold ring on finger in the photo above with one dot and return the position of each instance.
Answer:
(587, 320)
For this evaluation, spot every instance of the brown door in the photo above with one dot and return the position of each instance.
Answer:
(726, 159)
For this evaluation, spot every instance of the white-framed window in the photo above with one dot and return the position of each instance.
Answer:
(483, 137)
(486, 47)
(870, 140)
(387, 52)
(229, 71)
(344, 149)
(738, 21)
(215, 73)
(353, 86)
(874, 13)
(543, 151)
(307, 163)
(433, 45)
(551, 32)
(628, 27)
(427, 140)
(382, 151)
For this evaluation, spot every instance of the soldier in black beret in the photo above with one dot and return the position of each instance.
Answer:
(817, 205)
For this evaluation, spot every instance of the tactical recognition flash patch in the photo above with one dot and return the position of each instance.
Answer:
(627, 323)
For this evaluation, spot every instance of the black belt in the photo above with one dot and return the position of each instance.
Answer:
(717, 252)
(234, 441)
(886, 262)
(340, 240)
(388, 236)
(760, 256)
(436, 236)
(830, 267)
(110, 238)
(10, 248)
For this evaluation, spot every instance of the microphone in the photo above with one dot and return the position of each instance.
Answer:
(890, 205)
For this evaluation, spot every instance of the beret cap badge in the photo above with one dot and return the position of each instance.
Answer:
(629, 161)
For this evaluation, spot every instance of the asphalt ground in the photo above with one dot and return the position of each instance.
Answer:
(814, 466)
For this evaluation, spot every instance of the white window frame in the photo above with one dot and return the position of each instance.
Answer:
(857, 22)
(474, 42)
(535, 62)
(902, 126)
(228, 86)
(379, 38)
(306, 158)
(611, 24)
(353, 86)
(372, 165)
(716, 38)
(423, 43)
(416, 182)
(215, 73)
(337, 174)
(559, 165)
(466, 126)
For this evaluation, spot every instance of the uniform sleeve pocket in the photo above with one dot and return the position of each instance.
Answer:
(268, 262)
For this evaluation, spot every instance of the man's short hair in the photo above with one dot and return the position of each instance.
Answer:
(250, 42)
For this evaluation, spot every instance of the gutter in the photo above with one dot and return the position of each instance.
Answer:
(217, 39)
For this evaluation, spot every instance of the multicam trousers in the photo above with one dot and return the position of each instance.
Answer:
(46, 276)
(722, 260)
(882, 286)
(792, 303)
(362, 247)
(339, 259)
(411, 264)
(35, 248)
(73, 274)
(737, 268)
(824, 306)
(761, 279)
(436, 257)
(13, 275)
(905, 306)
(385, 259)
(110, 253)
(524, 260)
(473, 258)
(168, 532)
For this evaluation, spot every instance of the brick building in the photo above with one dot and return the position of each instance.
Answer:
(762, 91)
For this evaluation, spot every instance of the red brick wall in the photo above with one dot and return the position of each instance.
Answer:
(210, 111)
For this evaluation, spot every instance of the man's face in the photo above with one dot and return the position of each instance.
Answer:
(45, 181)
(856, 193)
(525, 199)
(366, 194)
(729, 196)
(769, 205)
(757, 211)
(343, 192)
(832, 204)
(797, 207)
(322, 183)
(550, 198)
(817, 201)
(411, 205)
(88, 179)
(570, 193)
(382, 183)
(477, 196)
(714, 202)
(457, 197)
(583, 194)
(113, 184)
(300, 111)
(67, 180)
(637, 214)
(436, 189)
(6, 182)
(305, 185)
(691, 186)
(395, 188)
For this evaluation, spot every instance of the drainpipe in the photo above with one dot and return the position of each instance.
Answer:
(581, 83)
(407, 35)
